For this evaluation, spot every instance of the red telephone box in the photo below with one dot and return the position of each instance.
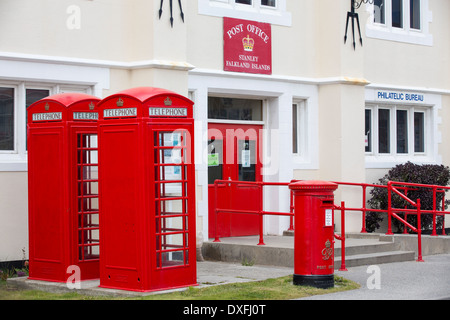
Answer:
(63, 187)
(314, 233)
(147, 183)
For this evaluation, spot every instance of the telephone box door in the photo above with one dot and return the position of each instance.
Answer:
(174, 205)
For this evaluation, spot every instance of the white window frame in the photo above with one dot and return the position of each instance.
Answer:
(60, 74)
(15, 160)
(277, 15)
(393, 156)
(302, 128)
(406, 34)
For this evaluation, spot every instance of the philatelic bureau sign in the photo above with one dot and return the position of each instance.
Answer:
(247, 46)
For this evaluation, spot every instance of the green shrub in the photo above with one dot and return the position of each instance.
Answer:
(413, 173)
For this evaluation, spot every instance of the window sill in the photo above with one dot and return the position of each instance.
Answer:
(399, 35)
(390, 161)
(276, 16)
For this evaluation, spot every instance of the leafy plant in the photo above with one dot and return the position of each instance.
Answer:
(413, 173)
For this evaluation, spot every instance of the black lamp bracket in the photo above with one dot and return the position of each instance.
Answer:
(353, 15)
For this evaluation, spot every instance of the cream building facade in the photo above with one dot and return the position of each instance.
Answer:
(328, 110)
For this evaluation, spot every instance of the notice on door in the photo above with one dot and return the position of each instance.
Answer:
(247, 46)
(213, 160)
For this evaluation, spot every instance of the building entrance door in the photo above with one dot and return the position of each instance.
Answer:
(234, 154)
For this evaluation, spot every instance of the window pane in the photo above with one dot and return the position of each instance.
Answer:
(294, 128)
(415, 14)
(368, 130)
(244, 1)
(379, 11)
(402, 131)
(215, 160)
(397, 13)
(384, 131)
(32, 96)
(269, 3)
(234, 109)
(419, 132)
(6, 119)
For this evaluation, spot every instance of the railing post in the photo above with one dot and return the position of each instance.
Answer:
(343, 268)
(363, 230)
(443, 209)
(389, 187)
(405, 228)
(216, 231)
(419, 232)
(261, 216)
(433, 233)
(291, 210)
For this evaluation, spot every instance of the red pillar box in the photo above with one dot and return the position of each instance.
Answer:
(314, 233)
(147, 186)
(63, 188)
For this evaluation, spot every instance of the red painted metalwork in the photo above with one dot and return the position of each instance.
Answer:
(63, 187)
(228, 141)
(147, 185)
(259, 186)
(314, 236)
(342, 236)
(399, 186)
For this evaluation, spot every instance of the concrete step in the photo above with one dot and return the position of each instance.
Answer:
(279, 251)
(374, 258)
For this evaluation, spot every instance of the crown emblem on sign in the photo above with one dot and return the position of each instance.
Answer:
(328, 244)
(91, 106)
(120, 102)
(168, 102)
(47, 107)
(248, 43)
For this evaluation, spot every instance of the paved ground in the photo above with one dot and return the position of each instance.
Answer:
(392, 281)
(429, 280)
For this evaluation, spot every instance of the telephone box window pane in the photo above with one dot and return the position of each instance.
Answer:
(419, 132)
(368, 131)
(384, 131)
(171, 209)
(87, 193)
(379, 11)
(415, 14)
(402, 131)
(397, 13)
(235, 109)
(6, 119)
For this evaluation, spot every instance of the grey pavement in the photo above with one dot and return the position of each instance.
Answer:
(411, 280)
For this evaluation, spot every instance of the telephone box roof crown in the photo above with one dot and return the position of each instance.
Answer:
(145, 93)
(69, 98)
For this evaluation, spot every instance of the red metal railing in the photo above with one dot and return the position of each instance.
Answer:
(392, 187)
(260, 211)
